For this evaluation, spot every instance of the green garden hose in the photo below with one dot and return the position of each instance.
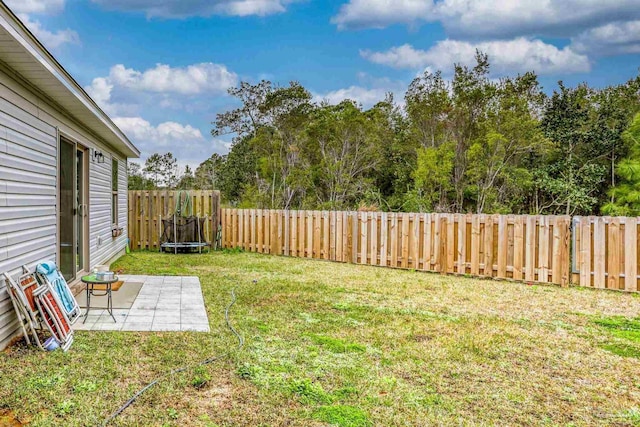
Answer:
(184, 208)
(185, 368)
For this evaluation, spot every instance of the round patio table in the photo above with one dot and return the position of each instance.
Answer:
(91, 281)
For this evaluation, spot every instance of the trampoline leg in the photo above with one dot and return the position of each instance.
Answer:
(175, 235)
(199, 247)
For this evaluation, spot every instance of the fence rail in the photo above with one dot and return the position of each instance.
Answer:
(146, 208)
(518, 247)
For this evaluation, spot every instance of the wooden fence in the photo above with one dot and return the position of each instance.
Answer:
(605, 252)
(529, 248)
(146, 207)
(599, 252)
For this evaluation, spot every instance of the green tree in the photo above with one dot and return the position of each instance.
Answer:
(245, 120)
(345, 141)
(162, 170)
(569, 183)
(208, 174)
(472, 91)
(625, 196)
(509, 134)
(280, 143)
(238, 172)
(137, 179)
(471, 144)
(187, 180)
(433, 177)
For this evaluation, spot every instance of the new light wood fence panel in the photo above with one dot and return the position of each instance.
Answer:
(146, 207)
(530, 248)
(605, 252)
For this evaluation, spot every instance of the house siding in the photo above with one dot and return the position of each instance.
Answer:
(103, 246)
(29, 127)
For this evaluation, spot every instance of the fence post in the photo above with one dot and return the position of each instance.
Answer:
(364, 220)
(630, 255)
(462, 241)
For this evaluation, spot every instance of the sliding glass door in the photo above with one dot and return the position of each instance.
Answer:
(72, 210)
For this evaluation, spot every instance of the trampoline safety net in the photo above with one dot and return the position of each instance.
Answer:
(184, 233)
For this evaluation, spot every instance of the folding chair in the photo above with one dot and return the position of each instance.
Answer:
(25, 306)
(37, 305)
(48, 272)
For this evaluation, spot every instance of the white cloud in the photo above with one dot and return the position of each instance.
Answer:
(100, 90)
(36, 6)
(368, 92)
(186, 142)
(611, 39)
(184, 9)
(404, 56)
(51, 40)
(169, 96)
(193, 79)
(165, 135)
(517, 55)
(488, 18)
(368, 97)
(125, 90)
(381, 13)
(251, 7)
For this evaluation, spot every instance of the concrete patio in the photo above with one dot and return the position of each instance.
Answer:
(164, 303)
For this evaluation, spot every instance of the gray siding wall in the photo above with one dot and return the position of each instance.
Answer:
(28, 188)
(28, 149)
(103, 246)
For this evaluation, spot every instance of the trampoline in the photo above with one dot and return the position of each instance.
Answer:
(184, 232)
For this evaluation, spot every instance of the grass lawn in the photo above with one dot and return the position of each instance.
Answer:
(345, 345)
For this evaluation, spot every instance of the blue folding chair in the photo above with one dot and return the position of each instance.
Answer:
(48, 272)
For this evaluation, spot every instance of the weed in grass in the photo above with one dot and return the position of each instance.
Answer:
(65, 407)
(85, 386)
(308, 392)
(425, 400)
(353, 322)
(627, 334)
(478, 346)
(232, 251)
(345, 392)
(41, 382)
(207, 421)
(621, 327)
(342, 416)
(621, 349)
(337, 345)
(388, 383)
(249, 372)
(172, 413)
(342, 306)
(200, 377)
(632, 416)
(258, 324)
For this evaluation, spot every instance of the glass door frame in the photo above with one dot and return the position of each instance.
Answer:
(83, 209)
(80, 207)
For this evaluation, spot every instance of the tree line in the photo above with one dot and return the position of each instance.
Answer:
(468, 144)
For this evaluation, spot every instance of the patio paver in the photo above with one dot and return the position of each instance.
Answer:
(164, 303)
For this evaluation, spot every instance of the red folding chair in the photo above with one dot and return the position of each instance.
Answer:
(38, 308)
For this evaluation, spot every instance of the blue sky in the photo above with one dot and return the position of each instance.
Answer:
(161, 68)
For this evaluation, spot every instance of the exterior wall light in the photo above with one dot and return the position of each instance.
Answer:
(98, 157)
